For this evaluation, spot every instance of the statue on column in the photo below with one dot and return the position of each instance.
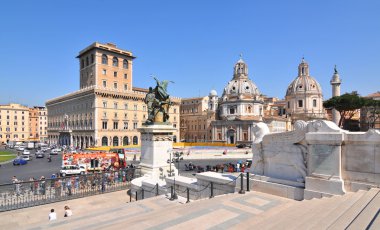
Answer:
(158, 102)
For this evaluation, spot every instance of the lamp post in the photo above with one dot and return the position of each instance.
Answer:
(171, 160)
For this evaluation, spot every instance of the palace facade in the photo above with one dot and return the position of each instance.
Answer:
(107, 109)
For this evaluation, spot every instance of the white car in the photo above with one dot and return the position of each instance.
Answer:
(44, 149)
(53, 152)
(72, 170)
(26, 157)
(26, 152)
(21, 148)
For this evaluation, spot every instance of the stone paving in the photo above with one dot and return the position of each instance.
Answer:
(253, 210)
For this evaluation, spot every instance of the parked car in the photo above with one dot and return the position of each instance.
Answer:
(72, 170)
(19, 161)
(40, 155)
(26, 157)
(26, 152)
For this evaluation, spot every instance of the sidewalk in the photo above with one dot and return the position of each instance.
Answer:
(112, 211)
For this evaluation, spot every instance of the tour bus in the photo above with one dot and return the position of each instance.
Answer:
(95, 161)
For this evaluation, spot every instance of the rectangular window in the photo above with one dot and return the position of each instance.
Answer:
(144, 108)
(104, 72)
(115, 125)
(115, 74)
(104, 114)
(125, 86)
(104, 104)
(134, 125)
(104, 83)
(115, 85)
(314, 103)
(125, 76)
(288, 104)
(125, 125)
(135, 107)
(126, 106)
(300, 103)
(104, 124)
(115, 105)
(232, 111)
(125, 115)
(115, 114)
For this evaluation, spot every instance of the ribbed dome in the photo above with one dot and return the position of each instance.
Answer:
(241, 86)
(303, 83)
(213, 93)
(237, 87)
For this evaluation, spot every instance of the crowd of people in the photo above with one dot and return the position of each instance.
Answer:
(240, 166)
(59, 186)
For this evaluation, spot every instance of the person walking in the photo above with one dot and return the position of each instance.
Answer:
(52, 215)
(17, 185)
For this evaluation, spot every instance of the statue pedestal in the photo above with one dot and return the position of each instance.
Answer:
(156, 142)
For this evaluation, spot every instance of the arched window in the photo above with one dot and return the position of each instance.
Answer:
(125, 140)
(104, 59)
(125, 64)
(135, 140)
(115, 141)
(115, 61)
(104, 141)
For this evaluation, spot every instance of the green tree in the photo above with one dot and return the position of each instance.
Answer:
(373, 112)
(346, 105)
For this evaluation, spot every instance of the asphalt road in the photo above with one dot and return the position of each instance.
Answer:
(38, 167)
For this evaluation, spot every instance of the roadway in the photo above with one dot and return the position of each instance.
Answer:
(38, 167)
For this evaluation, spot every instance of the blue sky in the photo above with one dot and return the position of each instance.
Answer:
(193, 43)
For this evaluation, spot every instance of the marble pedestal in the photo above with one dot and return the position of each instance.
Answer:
(156, 145)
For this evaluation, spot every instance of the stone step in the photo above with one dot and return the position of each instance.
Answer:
(329, 216)
(346, 218)
(298, 212)
(367, 215)
(316, 210)
(257, 219)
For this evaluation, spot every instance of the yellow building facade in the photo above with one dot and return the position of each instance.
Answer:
(38, 124)
(107, 109)
(14, 123)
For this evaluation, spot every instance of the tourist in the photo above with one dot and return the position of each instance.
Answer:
(17, 185)
(57, 187)
(68, 211)
(31, 180)
(69, 186)
(52, 215)
(43, 185)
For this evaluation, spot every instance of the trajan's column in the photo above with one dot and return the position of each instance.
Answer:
(335, 83)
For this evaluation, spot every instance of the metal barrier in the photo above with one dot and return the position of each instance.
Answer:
(37, 192)
(209, 190)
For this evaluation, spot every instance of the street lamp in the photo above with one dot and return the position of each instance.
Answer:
(177, 157)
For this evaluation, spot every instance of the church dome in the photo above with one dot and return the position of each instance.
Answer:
(241, 86)
(304, 83)
(213, 93)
